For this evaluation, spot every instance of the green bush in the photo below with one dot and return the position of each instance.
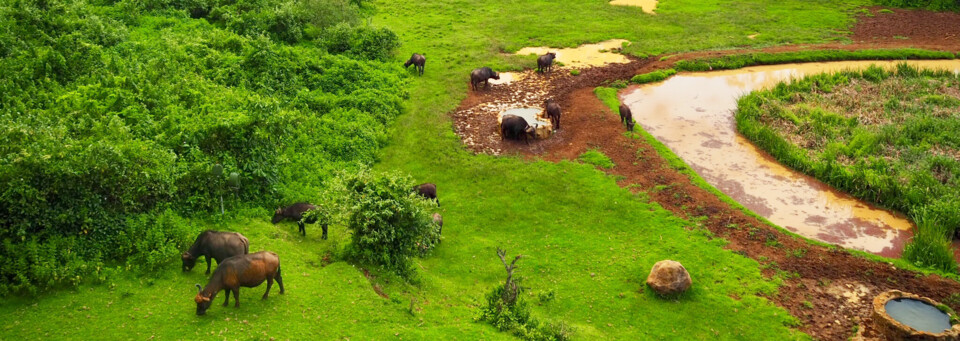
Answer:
(934, 5)
(389, 222)
(516, 319)
(108, 137)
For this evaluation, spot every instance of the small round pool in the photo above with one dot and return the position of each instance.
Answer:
(918, 315)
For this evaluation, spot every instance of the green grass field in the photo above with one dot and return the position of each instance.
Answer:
(586, 240)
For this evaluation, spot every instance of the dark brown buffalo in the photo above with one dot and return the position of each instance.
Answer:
(545, 62)
(428, 190)
(215, 245)
(295, 213)
(417, 60)
(626, 117)
(240, 271)
(438, 220)
(553, 112)
(484, 75)
(515, 127)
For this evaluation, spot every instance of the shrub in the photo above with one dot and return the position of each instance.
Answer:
(390, 223)
(654, 76)
(362, 42)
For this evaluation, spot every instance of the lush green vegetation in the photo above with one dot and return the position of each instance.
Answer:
(935, 5)
(884, 136)
(113, 118)
(327, 92)
(596, 158)
(653, 76)
(762, 58)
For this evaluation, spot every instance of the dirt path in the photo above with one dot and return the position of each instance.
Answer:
(829, 290)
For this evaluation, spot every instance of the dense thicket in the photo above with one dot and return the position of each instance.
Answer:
(113, 114)
(887, 137)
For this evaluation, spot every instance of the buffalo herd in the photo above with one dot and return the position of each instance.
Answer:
(237, 267)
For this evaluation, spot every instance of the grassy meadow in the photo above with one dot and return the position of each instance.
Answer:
(587, 243)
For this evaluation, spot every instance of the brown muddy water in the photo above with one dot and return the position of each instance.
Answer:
(646, 5)
(585, 55)
(692, 114)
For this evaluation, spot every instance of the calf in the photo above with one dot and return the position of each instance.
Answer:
(545, 62)
(484, 75)
(417, 60)
(295, 212)
(553, 112)
(215, 245)
(427, 190)
(240, 271)
(626, 117)
(438, 220)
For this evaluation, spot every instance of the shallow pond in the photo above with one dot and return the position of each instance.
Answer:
(646, 5)
(585, 55)
(692, 113)
(918, 315)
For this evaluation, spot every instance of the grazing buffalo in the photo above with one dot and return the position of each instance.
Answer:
(427, 190)
(545, 62)
(418, 61)
(515, 127)
(215, 245)
(553, 112)
(295, 212)
(626, 117)
(438, 220)
(240, 271)
(482, 75)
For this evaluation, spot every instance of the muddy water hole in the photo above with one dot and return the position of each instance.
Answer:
(827, 288)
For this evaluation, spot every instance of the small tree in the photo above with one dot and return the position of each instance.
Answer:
(510, 288)
(390, 224)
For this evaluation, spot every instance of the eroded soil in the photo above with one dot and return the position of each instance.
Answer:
(828, 289)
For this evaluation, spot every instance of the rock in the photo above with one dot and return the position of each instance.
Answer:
(668, 278)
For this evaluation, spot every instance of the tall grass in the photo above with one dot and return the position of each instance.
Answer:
(901, 153)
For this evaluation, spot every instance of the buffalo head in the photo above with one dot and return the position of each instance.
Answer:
(203, 302)
(188, 261)
(277, 215)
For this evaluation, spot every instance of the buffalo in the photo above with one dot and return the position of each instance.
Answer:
(626, 117)
(240, 271)
(515, 127)
(417, 60)
(438, 220)
(215, 245)
(553, 112)
(545, 62)
(295, 212)
(427, 190)
(484, 75)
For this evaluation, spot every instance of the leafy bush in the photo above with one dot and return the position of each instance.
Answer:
(108, 137)
(934, 5)
(363, 42)
(390, 223)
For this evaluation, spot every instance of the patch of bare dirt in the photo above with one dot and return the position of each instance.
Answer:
(828, 289)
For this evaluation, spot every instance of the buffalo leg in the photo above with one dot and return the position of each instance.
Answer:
(324, 227)
(279, 280)
(226, 298)
(269, 284)
(209, 261)
(302, 229)
(236, 297)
